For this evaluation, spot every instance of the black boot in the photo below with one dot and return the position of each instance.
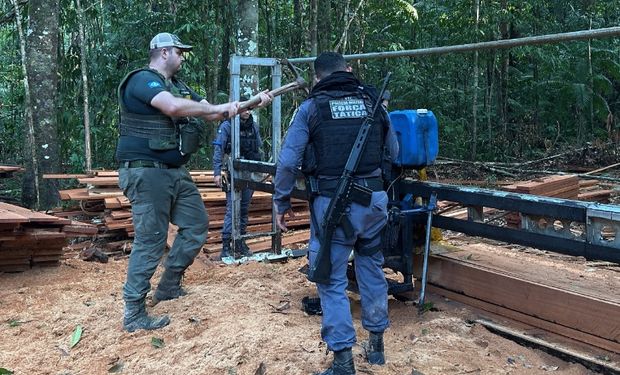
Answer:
(343, 364)
(226, 249)
(135, 318)
(374, 352)
(242, 249)
(169, 287)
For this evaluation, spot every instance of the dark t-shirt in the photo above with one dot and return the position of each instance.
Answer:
(140, 89)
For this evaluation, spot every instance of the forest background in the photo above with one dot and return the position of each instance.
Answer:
(494, 105)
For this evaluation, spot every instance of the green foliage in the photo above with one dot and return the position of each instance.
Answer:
(157, 342)
(76, 336)
(427, 306)
(528, 98)
(14, 323)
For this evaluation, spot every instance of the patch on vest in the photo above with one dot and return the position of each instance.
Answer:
(348, 108)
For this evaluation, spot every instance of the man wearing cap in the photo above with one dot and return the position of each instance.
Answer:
(250, 148)
(159, 129)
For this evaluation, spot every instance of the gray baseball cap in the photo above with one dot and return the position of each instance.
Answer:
(162, 40)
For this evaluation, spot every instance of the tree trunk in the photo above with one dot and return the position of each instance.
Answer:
(342, 43)
(30, 190)
(87, 143)
(489, 97)
(227, 31)
(474, 123)
(270, 22)
(296, 38)
(503, 75)
(247, 44)
(324, 25)
(42, 58)
(313, 28)
(591, 82)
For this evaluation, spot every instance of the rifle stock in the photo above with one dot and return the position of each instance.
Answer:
(320, 270)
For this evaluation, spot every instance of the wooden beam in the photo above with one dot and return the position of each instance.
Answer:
(588, 319)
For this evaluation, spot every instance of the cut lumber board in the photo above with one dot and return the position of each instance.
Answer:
(31, 216)
(587, 183)
(597, 195)
(106, 173)
(527, 319)
(542, 185)
(80, 227)
(10, 168)
(100, 181)
(593, 320)
(59, 176)
(77, 195)
(8, 217)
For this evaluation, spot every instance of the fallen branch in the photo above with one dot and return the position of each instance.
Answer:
(603, 169)
(580, 175)
(515, 164)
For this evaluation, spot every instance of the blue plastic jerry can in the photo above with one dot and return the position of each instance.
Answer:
(418, 138)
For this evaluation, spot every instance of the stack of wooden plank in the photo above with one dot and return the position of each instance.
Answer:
(594, 191)
(102, 192)
(8, 170)
(259, 220)
(564, 186)
(29, 238)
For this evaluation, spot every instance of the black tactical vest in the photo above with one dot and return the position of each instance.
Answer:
(248, 141)
(153, 127)
(334, 129)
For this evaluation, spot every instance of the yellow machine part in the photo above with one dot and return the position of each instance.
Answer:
(436, 234)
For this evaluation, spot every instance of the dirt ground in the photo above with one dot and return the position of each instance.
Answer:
(230, 323)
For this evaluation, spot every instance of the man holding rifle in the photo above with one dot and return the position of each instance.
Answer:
(323, 139)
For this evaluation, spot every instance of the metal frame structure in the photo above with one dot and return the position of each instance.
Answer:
(236, 63)
(560, 225)
(593, 216)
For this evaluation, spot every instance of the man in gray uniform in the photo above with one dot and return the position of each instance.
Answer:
(159, 130)
(250, 148)
(320, 140)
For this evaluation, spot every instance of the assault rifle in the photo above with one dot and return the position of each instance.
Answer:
(335, 215)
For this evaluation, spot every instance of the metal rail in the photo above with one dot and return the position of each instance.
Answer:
(559, 225)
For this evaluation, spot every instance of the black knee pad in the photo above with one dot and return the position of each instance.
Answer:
(363, 246)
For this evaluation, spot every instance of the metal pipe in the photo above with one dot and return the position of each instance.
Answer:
(506, 43)
(427, 249)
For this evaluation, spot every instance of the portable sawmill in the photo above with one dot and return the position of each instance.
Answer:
(564, 226)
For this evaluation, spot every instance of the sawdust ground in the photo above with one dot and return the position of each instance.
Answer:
(228, 324)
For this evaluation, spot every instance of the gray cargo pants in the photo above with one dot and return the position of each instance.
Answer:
(159, 196)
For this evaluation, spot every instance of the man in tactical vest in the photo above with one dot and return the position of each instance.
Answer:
(250, 148)
(160, 128)
(322, 133)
